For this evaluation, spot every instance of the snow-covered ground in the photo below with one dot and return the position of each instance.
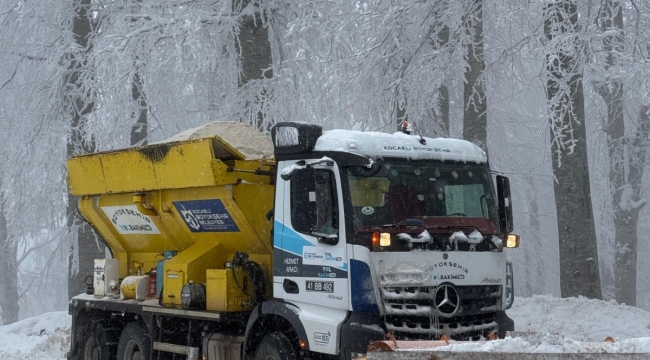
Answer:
(572, 325)
(562, 325)
(45, 336)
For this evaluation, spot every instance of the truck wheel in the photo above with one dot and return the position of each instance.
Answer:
(134, 343)
(100, 343)
(276, 346)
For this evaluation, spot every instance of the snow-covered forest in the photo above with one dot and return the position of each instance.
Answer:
(557, 92)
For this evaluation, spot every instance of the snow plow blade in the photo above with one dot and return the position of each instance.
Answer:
(434, 350)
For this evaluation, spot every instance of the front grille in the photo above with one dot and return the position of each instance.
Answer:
(411, 313)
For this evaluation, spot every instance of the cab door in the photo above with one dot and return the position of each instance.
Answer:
(310, 240)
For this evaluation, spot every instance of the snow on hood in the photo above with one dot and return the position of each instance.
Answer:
(474, 238)
(424, 237)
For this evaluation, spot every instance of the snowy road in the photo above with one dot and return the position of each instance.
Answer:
(562, 326)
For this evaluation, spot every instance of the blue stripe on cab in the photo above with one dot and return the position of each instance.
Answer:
(287, 239)
(362, 288)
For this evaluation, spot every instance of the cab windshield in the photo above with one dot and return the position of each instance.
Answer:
(425, 194)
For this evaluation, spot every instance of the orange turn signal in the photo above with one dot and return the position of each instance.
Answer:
(380, 239)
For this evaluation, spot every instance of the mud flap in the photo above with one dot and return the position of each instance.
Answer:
(505, 323)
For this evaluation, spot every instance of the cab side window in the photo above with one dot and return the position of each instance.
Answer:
(314, 205)
(327, 221)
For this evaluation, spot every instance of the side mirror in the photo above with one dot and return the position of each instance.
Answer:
(288, 171)
(303, 199)
(328, 239)
(505, 204)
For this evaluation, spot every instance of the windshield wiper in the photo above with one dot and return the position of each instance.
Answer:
(405, 222)
(411, 222)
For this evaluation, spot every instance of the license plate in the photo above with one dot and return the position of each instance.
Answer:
(321, 286)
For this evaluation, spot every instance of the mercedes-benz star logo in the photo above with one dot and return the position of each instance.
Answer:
(446, 300)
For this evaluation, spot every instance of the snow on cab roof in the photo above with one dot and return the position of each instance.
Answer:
(376, 144)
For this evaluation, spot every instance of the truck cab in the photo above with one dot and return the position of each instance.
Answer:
(389, 233)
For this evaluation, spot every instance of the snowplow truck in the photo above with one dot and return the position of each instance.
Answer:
(227, 244)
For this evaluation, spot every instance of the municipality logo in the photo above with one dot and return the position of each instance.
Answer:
(312, 256)
(329, 257)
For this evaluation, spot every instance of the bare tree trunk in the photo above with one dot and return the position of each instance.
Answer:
(84, 247)
(443, 92)
(533, 222)
(140, 130)
(627, 216)
(254, 50)
(439, 40)
(626, 255)
(402, 116)
(475, 102)
(620, 150)
(438, 122)
(9, 296)
(579, 272)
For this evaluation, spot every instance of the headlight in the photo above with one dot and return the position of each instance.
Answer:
(513, 241)
(380, 239)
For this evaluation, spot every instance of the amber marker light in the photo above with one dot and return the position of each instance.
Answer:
(513, 241)
(380, 239)
(302, 343)
(375, 239)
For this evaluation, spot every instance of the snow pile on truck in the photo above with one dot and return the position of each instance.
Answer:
(252, 144)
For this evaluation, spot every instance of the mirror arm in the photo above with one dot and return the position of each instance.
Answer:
(329, 239)
(326, 161)
(288, 171)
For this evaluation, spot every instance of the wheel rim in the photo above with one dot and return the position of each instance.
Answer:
(132, 351)
(91, 349)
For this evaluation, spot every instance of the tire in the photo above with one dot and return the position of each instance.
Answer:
(134, 343)
(100, 343)
(276, 346)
